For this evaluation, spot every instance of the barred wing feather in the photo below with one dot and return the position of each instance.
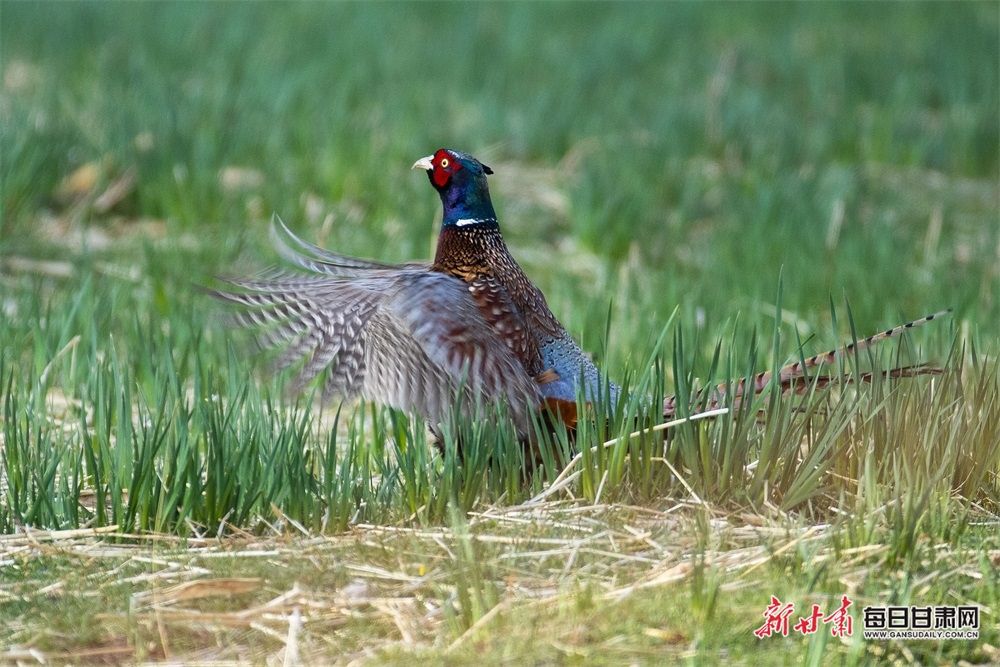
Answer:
(410, 339)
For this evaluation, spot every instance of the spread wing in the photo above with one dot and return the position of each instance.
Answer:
(408, 338)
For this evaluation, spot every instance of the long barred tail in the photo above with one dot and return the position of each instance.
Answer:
(794, 378)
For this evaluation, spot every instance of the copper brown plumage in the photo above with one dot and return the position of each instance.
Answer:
(471, 248)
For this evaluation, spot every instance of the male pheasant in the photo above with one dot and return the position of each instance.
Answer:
(471, 248)
(461, 335)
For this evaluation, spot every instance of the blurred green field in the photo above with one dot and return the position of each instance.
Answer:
(647, 157)
(654, 155)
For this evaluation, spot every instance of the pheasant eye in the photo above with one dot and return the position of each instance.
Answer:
(444, 163)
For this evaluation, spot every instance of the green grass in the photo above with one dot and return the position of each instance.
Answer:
(712, 176)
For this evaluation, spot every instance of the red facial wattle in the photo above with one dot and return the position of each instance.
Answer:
(445, 165)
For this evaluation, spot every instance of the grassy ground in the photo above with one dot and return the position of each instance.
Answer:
(749, 165)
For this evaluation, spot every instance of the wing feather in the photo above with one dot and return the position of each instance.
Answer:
(408, 338)
(314, 259)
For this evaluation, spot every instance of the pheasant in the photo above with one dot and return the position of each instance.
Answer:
(471, 248)
(460, 335)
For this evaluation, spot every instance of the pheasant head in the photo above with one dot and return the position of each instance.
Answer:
(460, 179)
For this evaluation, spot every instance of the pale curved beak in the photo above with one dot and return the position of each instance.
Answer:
(424, 163)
